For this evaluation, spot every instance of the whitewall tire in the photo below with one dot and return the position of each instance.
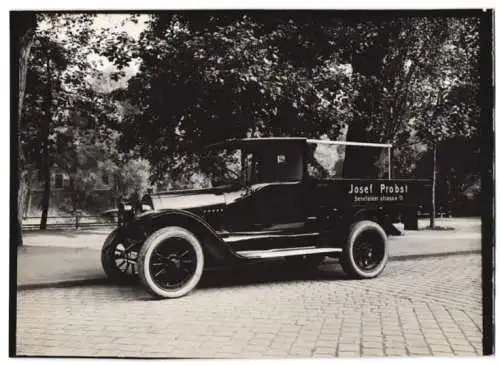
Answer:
(366, 252)
(171, 262)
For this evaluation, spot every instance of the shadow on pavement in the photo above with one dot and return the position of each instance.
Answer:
(267, 273)
(249, 275)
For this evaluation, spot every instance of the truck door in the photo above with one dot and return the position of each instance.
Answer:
(275, 195)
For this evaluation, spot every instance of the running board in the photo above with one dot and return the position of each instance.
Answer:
(248, 237)
(283, 252)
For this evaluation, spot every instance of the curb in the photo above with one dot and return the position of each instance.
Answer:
(103, 280)
(63, 284)
(433, 255)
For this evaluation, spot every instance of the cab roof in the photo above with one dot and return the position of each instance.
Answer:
(238, 142)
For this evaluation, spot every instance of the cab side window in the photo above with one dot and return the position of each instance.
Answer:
(325, 161)
(276, 165)
(289, 165)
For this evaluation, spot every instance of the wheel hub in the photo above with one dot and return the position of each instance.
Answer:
(366, 253)
(175, 261)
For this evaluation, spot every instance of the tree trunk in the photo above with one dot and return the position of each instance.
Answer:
(29, 193)
(368, 63)
(75, 197)
(27, 211)
(434, 174)
(46, 194)
(46, 157)
(23, 27)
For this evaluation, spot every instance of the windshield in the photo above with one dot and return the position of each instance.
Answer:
(230, 166)
(273, 164)
(223, 166)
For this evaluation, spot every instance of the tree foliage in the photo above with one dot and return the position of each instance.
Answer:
(446, 98)
(198, 86)
(69, 110)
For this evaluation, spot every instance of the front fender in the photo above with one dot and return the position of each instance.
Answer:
(214, 246)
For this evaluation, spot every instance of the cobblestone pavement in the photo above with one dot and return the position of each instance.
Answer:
(421, 307)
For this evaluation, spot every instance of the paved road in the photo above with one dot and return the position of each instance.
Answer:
(423, 307)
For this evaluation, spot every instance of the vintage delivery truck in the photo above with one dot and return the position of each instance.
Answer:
(296, 199)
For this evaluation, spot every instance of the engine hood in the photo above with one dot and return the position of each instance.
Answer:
(190, 199)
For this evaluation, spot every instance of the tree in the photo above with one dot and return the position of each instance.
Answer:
(23, 28)
(405, 68)
(447, 104)
(94, 160)
(62, 108)
(50, 60)
(387, 56)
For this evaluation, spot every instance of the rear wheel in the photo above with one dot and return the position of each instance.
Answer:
(171, 262)
(365, 254)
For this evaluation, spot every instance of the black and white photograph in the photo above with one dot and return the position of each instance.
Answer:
(251, 184)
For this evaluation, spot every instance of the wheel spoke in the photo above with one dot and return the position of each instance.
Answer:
(129, 248)
(127, 266)
(180, 256)
(159, 255)
(159, 272)
(117, 263)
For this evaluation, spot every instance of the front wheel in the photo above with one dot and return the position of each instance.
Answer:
(118, 258)
(171, 262)
(365, 254)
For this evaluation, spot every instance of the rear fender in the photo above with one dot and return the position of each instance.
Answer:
(379, 216)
